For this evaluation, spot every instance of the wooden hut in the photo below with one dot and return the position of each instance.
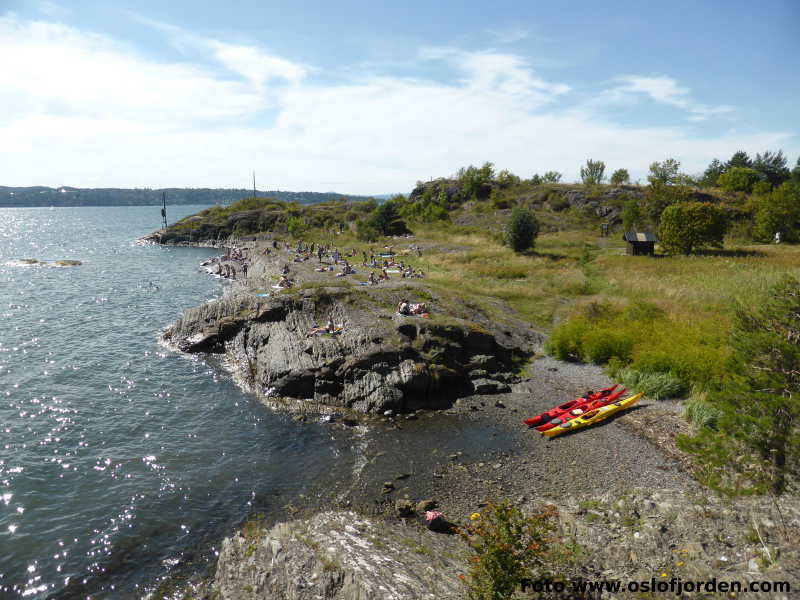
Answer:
(640, 243)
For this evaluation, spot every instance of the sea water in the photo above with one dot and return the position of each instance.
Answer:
(120, 460)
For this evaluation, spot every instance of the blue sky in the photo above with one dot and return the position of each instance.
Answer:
(369, 97)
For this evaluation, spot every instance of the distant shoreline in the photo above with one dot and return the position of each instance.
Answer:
(40, 196)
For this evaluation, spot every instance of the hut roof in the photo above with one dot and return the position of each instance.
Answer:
(633, 236)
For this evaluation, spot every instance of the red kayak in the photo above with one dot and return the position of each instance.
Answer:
(582, 409)
(546, 416)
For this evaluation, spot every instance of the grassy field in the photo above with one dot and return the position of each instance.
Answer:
(661, 322)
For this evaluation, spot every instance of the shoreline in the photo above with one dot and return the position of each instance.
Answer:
(489, 454)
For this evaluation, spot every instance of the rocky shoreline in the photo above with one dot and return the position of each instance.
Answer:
(435, 408)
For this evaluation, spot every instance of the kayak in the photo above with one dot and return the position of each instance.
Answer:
(581, 409)
(547, 415)
(595, 416)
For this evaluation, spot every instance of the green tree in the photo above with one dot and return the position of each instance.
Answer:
(620, 176)
(366, 232)
(441, 200)
(712, 173)
(387, 220)
(739, 159)
(536, 179)
(685, 226)
(631, 215)
(773, 167)
(739, 179)
(296, 226)
(506, 179)
(522, 229)
(666, 172)
(757, 432)
(551, 177)
(779, 211)
(659, 196)
(796, 173)
(593, 172)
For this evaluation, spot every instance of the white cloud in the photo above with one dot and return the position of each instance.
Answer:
(101, 113)
(664, 90)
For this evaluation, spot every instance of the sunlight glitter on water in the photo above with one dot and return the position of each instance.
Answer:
(108, 440)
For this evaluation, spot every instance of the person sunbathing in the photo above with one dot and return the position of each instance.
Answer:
(284, 282)
(403, 307)
(329, 328)
(384, 276)
(346, 270)
(418, 309)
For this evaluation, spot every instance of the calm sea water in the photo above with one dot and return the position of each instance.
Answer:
(120, 460)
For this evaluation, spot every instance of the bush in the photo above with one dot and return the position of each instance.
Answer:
(779, 211)
(620, 176)
(685, 226)
(296, 226)
(366, 232)
(507, 547)
(654, 385)
(521, 230)
(593, 172)
(700, 412)
(551, 177)
(601, 345)
(660, 196)
(386, 220)
(739, 179)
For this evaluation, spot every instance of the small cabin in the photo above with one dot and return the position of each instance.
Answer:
(640, 243)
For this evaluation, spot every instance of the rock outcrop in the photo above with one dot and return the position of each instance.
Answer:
(380, 361)
(340, 556)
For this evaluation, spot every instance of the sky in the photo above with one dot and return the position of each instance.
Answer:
(371, 97)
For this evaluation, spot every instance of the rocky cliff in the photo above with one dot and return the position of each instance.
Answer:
(339, 556)
(380, 361)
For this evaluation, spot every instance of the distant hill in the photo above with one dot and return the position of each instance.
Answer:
(69, 196)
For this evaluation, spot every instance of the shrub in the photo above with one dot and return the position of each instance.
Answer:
(779, 211)
(521, 230)
(739, 179)
(660, 196)
(700, 412)
(387, 221)
(551, 177)
(620, 176)
(593, 172)
(296, 227)
(685, 226)
(366, 232)
(601, 345)
(507, 547)
(654, 385)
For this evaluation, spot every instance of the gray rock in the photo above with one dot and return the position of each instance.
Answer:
(489, 386)
(404, 508)
(425, 505)
(339, 556)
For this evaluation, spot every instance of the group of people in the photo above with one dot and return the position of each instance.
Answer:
(227, 263)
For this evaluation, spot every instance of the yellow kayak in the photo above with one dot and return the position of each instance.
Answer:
(594, 416)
